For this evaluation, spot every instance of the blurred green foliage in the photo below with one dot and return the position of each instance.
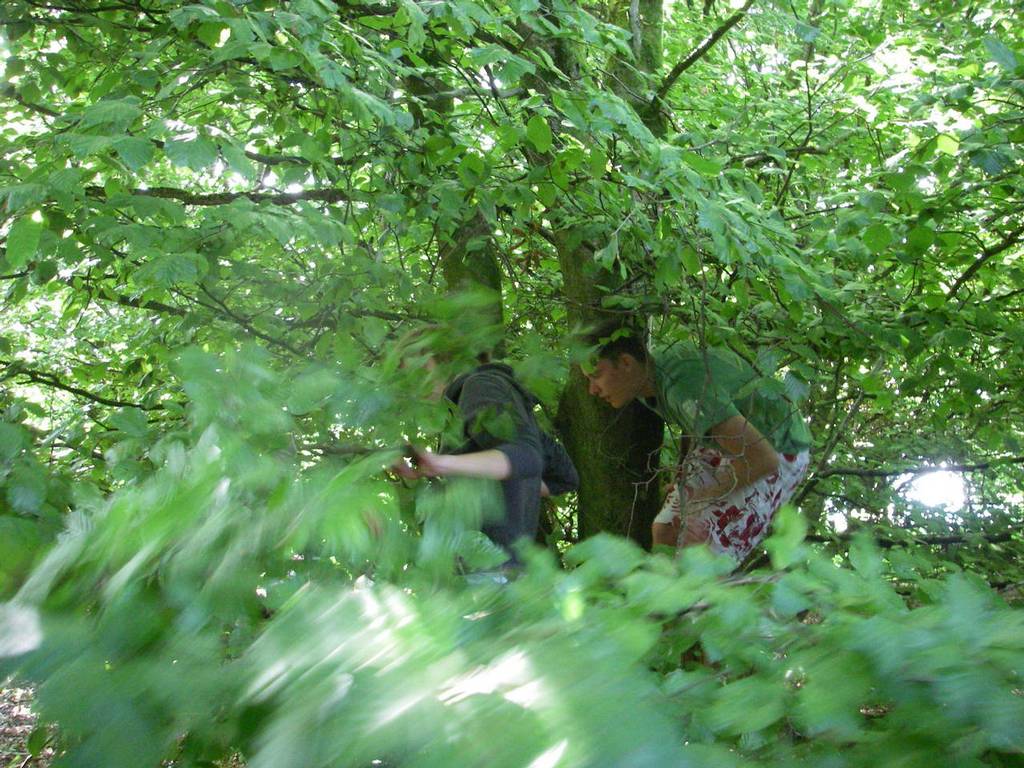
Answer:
(200, 550)
(239, 599)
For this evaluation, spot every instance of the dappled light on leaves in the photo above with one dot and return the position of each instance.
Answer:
(245, 245)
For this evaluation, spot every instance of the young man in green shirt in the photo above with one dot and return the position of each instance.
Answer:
(748, 444)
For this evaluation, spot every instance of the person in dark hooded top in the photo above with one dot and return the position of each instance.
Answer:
(501, 441)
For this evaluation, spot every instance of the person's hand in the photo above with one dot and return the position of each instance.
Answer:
(405, 470)
(696, 530)
(427, 463)
(417, 463)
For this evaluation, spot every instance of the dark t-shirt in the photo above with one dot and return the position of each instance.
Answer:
(497, 413)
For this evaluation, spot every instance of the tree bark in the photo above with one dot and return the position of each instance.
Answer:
(615, 452)
(467, 264)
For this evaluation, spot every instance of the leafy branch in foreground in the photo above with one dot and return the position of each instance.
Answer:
(239, 599)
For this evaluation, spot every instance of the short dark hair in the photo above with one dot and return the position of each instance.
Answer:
(624, 345)
(619, 340)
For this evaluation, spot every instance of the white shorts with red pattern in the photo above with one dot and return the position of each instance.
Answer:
(735, 523)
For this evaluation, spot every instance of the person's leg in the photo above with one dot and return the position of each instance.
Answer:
(697, 472)
(665, 528)
(739, 522)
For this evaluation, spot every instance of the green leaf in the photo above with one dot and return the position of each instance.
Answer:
(331, 75)
(1000, 54)
(487, 54)
(23, 241)
(921, 238)
(864, 556)
(84, 145)
(539, 134)
(702, 164)
(117, 113)
(877, 238)
(26, 489)
(20, 541)
(37, 740)
(807, 33)
(787, 599)
(135, 152)
(946, 144)
(209, 33)
(691, 260)
(416, 34)
(44, 272)
(872, 201)
(171, 269)
(547, 193)
(471, 169)
(12, 440)
(992, 161)
(237, 160)
(311, 390)
(131, 421)
(668, 271)
(281, 59)
(785, 545)
(748, 705)
(606, 554)
(196, 154)
(606, 256)
(18, 196)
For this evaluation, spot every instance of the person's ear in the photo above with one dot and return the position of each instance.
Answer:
(626, 361)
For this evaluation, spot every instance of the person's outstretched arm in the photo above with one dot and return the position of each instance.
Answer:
(493, 423)
(491, 464)
(508, 449)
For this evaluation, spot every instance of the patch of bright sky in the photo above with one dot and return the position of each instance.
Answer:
(941, 488)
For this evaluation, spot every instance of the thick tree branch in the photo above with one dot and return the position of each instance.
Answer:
(919, 470)
(760, 158)
(128, 301)
(1012, 239)
(990, 538)
(225, 198)
(46, 379)
(698, 53)
(331, 322)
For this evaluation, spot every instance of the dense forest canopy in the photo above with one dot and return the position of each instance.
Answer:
(217, 220)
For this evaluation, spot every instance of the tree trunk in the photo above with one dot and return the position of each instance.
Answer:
(615, 452)
(465, 251)
(469, 264)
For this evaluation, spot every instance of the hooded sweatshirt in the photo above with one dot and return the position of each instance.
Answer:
(497, 413)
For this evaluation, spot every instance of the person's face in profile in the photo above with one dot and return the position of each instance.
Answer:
(617, 381)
